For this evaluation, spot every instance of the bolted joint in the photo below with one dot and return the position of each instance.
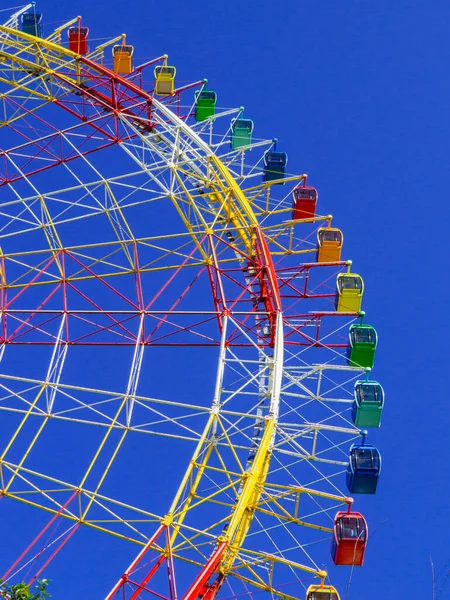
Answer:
(167, 520)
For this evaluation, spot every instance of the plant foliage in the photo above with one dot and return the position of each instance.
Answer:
(23, 591)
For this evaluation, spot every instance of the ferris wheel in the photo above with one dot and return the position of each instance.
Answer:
(185, 365)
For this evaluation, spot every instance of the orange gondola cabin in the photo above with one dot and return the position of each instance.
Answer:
(305, 200)
(329, 244)
(349, 539)
(122, 57)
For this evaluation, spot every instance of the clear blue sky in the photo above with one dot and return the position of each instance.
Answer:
(358, 94)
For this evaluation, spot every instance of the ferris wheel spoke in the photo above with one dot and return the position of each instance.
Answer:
(105, 514)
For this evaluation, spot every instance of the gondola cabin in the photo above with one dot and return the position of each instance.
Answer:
(205, 104)
(32, 23)
(349, 293)
(367, 404)
(349, 539)
(78, 39)
(164, 80)
(304, 202)
(274, 165)
(363, 342)
(241, 133)
(329, 244)
(322, 592)
(363, 469)
(122, 59)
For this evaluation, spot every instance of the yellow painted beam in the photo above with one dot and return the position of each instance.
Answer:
(251, 491)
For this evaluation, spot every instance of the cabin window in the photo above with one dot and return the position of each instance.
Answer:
(274, 157)
(350, 283)
(363, 335)
(351, 528)
(242, 124)
(165, 70)
(304, 194)
(369, 393)
(365, 458)
(330, 235)
(82, 31)
(124, 49)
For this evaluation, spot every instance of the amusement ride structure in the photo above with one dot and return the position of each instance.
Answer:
(185, 364)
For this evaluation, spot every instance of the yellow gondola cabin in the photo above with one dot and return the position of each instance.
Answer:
(350, 288)
(164, 80)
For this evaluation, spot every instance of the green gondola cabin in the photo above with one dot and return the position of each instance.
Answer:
(241, 133)
(205, 104)
(368, 404)
(363, 341)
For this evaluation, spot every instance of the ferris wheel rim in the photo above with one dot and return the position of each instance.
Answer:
(246, 210)
(247, 213)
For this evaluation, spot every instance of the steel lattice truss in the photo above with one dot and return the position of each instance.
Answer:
(135, 243)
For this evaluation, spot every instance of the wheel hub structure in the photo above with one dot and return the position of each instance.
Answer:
(173, 374)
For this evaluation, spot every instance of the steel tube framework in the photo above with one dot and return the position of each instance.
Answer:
(96, 295)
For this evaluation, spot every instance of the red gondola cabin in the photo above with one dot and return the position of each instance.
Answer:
(349, 539)
(305, 200)
(78, 39)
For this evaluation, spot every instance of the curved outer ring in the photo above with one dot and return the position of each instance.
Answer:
(237, 530)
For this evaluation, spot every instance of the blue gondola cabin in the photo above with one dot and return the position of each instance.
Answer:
(349, 292)
(241, 133)
(368, 404)
(349, 539)
(274, 166)
(364, 469)
(363, 340)
(304, 202)
(32, 23)
(122, 59)
(78, 39)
